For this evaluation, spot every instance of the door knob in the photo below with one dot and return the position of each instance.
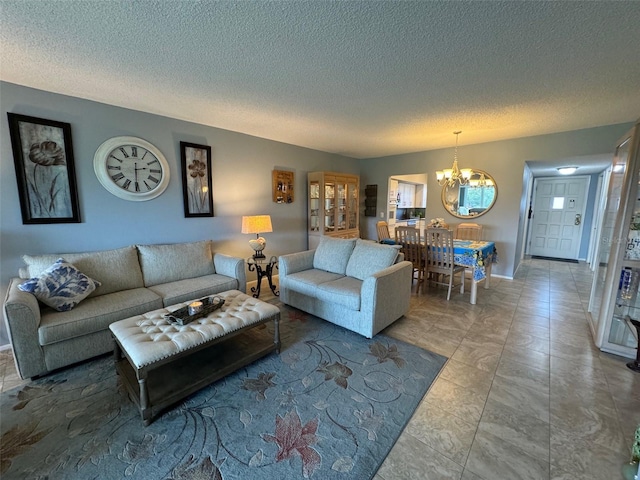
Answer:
(578, 219)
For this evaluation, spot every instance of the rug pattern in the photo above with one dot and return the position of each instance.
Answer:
(329, 406)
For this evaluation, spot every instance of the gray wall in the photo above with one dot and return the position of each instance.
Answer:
(505, 161)
(241, 166)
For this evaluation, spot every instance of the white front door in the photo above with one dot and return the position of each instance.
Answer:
(558, 215)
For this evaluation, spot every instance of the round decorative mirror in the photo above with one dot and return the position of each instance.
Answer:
(474, 198)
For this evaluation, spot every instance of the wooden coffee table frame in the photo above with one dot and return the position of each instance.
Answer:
(167, 381)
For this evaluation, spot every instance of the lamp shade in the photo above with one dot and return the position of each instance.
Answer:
(256, 224)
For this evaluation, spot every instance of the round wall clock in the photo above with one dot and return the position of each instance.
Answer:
(131, 168)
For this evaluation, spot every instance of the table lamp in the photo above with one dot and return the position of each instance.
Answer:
(257, 224)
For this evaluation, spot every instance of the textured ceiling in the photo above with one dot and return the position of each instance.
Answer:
(360, 78)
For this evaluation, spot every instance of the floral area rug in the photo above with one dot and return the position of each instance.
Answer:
(329, 406)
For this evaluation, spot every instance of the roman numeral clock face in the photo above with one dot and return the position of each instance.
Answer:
(131, 168)
(134, 169)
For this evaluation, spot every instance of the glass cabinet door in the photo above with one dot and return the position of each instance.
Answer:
(329, 204)
(600, 292)
(352, 195)
(341, 221)
(314, 206)
(627, 301)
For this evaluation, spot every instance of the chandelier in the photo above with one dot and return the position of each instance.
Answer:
(453, 175)
(483, 181)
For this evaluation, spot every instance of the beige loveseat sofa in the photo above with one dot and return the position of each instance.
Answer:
(134, 280)
(357, 284)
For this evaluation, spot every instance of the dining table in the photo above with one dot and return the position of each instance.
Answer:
(478, 256)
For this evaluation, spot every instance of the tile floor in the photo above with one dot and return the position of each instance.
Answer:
(524, 395)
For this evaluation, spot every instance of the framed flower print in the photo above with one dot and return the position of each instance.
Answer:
(45, 170)
(196, 180)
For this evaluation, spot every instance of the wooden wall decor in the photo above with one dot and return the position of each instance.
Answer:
(370, 200)
(283, 186)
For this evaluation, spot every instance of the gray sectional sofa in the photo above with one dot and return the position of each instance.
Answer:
(357, 284)
(133, 280)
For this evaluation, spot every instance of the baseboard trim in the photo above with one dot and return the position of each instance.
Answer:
(506, 277)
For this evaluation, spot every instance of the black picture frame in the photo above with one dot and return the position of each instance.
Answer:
(197, 180)
(45, 170)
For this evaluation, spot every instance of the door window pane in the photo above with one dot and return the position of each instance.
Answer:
(558, 203)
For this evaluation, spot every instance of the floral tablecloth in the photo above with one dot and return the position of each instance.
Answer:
(475, 254)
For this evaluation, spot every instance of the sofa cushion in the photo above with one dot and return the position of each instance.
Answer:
(307, 281)
(193, 288)
(116, 270)
(344, 291)
(370, 257)
(61, 286)
(332, 254)
(169, 263)
(95, 314)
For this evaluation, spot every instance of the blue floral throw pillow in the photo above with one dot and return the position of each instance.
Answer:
(61, 286)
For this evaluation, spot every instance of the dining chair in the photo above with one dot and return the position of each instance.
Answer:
(439, 259)
(468, 231)
(402, 232)
(383, 233)
(409, 240)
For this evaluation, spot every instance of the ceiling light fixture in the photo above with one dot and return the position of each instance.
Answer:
(449, 176)
(567, 170)
(482, 181)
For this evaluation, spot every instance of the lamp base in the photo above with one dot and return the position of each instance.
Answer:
(258, 246)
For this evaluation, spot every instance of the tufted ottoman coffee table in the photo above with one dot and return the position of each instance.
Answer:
(161, 363)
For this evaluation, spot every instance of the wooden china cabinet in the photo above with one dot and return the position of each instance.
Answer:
(333, 201)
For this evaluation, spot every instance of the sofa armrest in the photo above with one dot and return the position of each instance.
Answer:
(295, 262)
(386, 295)
(231, 267)
(22, 313)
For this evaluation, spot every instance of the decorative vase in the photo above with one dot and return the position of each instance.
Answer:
(630, 471)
